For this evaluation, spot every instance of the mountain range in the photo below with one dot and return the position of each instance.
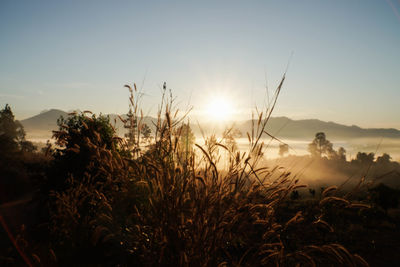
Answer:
(42, 125)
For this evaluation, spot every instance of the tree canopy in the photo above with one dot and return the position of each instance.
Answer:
(12, 133)
(76, 138)
(320, 145)
(365, 158)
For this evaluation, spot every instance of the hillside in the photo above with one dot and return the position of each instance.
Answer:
(41, 125)
(284, 127)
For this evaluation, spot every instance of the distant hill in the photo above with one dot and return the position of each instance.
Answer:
(44, 120)
(284, 127)
(42, 125)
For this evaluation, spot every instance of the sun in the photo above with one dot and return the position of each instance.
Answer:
(219, 108)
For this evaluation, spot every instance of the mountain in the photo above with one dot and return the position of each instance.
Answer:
(41, 126)
(283, 127)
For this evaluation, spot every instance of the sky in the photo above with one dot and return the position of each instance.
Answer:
(342, 57)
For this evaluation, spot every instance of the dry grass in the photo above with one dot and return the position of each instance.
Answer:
(170, 205)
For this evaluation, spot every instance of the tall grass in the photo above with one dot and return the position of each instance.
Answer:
(173, 205)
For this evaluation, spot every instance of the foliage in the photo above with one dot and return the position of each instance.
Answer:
(76, 139)
(131, 125)
(320, 145)
(155, 207)
(146, 133)
(18, 162)
(384, 159)
(365, 158)
(86, 176)
(12, 134)
(160, 208)
(341, 154)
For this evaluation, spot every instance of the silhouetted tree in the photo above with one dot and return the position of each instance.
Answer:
(384, 159)
(76, 139)
(341, 154)
(17, 168)
(364, 158)
(283, 149)
(131, 126)
(320, 145)
(12, 133)
(146, 132)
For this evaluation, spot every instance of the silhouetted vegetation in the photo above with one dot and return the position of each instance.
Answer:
(19, 163)
(12, 135)
(104, 200)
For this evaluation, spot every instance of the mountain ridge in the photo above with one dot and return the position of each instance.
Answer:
(42, 125)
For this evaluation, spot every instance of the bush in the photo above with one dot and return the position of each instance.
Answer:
(76, 140)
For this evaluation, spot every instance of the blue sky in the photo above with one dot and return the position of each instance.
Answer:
(78, 55)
